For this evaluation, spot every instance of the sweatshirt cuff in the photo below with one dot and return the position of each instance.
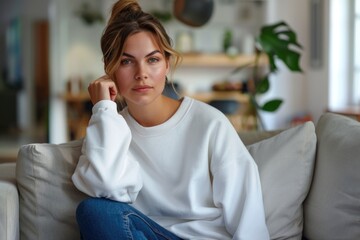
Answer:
(104, 105)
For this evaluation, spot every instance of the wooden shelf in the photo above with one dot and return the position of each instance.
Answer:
(79, 97)
(220, 95)
(219, 60)
(78, 115)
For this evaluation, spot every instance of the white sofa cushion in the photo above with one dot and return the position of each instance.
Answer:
(332, 209)
(286, 165)
(9, 203)
(48, 198)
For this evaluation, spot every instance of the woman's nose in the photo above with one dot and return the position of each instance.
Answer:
(140, 72)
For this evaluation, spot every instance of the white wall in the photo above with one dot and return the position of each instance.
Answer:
(305, 92)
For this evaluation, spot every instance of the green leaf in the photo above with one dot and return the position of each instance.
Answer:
(272, 105)
(273, 67)
(278, 41)
(290, 35)
(270, 28)
(263, 86)
(291, 60)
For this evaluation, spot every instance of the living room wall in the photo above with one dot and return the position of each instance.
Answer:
(75, 49)
(307, 92)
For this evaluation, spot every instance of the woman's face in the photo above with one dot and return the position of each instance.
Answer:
(140, 78)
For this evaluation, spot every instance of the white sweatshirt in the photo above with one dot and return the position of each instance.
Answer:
(191, 174)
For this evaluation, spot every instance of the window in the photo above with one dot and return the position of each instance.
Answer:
(355, 92)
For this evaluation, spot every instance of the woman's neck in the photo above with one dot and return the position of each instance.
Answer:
(154, 113)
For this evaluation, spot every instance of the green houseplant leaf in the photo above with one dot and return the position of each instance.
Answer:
(263, 86)
(278, 41)
(271, 105)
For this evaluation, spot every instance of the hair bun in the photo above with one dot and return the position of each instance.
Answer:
(124, 7)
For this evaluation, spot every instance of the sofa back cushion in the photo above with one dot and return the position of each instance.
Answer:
(286, 164)
(9, 203)
(48, 198)
(332, 209)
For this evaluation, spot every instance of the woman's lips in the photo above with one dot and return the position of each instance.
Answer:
(142, 89)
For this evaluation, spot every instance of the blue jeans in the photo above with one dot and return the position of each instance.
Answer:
(104, 219)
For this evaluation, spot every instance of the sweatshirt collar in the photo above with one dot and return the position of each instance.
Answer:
(161, 128)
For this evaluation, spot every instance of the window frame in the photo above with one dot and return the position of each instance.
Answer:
(354, 84)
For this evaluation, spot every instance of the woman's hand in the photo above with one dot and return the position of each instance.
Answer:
(102, 88)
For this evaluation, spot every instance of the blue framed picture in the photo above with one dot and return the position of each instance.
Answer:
(14, 71)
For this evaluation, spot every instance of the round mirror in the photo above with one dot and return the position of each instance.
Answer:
(194, 13)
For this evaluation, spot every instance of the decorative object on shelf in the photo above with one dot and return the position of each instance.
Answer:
(88, 14)
(248, 45)
(227, 40)
(228, 44)
(74, 85)
(193, 13)
(184, 42)
(226, 106)
(228, 86)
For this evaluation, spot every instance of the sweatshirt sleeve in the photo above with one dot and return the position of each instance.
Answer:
(236, 187)
(106, 168)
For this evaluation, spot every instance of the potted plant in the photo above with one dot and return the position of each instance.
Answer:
(278, 42)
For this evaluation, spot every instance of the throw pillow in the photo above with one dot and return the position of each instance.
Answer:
(286, 163)
(332, 209)
(49, 211)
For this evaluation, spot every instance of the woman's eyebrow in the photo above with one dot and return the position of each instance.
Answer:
(150, 54)
(153, 52)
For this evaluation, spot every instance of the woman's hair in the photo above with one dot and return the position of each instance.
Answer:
(127, 18)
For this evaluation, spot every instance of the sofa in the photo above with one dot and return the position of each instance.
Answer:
(310, 176)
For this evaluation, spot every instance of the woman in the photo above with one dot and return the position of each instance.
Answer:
(162, 168)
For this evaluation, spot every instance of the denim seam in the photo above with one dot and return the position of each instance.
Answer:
(127, 226)
(149, 224)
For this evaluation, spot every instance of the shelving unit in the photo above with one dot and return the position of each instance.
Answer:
(78, 114)
(220, 60)
(244, 119)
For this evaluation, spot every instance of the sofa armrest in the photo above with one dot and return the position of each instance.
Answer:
(47, 195)
(9, 203)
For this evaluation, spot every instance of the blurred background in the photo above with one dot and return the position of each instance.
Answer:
(51, 51)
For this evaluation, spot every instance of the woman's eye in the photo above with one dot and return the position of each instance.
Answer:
(125, 61)
(153, 60)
